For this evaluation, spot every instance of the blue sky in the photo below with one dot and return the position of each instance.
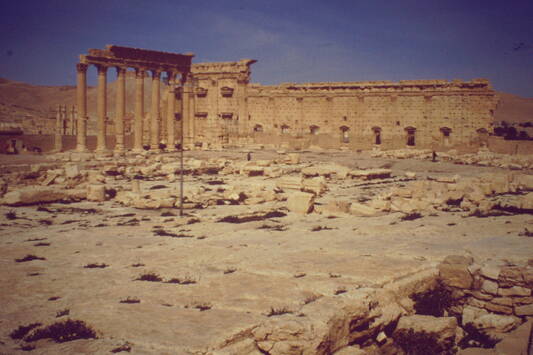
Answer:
(293, 41)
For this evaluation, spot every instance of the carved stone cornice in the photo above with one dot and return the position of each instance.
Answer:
(81, 67)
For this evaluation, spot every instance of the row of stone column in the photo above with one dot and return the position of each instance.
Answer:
(120, 109)
(64, 125)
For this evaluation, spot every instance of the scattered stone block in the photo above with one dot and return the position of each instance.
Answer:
(96, 193)
(30, 195)
(301, 202)
(358, 209)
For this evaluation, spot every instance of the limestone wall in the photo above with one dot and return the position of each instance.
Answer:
(228, 110)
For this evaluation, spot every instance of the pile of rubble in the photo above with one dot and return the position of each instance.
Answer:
(481, 158)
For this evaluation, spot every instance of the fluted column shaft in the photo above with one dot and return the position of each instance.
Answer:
(120, 109)
(101, 104)
(171, 109)
(81, 97)
(58, 141)
(154, 114)
(139, 111)
(186, 110)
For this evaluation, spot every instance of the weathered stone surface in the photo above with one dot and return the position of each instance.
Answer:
(33, 194)
(96, 193)
(514, 291)
(301, 202)
(358, 209)
(516, 342)
(470, 314)
(496, 322)
(456, 275)
(526, 310)
(490, 287)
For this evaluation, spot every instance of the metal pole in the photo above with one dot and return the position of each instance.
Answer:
(180, 91)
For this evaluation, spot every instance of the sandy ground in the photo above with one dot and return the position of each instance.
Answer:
(231, 275)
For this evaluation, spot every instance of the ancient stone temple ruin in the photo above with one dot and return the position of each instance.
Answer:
(142, 61)
(220, 107)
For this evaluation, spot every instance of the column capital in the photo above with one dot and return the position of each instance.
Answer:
(171, 76)
(140, 72)
(156, 73)
(81, 67)
(102, 69)
(121, 70)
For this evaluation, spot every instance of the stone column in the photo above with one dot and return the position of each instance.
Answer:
(81, 96)
(154, 114)
(186, 111)
(139, 111)
(101, 104)
(58, 136)
(73, 120)
(120, 109)
(171, 109)
(243, 129)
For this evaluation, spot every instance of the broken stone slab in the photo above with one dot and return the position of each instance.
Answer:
(301, 202)
(336, 208)
(293, 158)
(361, 210)
(456, 275)
(370, 174)
(96, 193)
(496, 324)
(72, 171)
(316, 185)
(30, 195)
(289, 183)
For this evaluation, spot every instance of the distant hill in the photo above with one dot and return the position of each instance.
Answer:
(19, 101)
(512, 108)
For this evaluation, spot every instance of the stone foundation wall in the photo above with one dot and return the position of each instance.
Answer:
(356, 115)
(494, 296)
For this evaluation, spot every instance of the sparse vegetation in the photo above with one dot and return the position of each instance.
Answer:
(152, 277)
(311, 298)
(130, 300)
(187, 280)
(41, 244)
(340, 291)
(411, 216)
(11, 215)
(29, 257)
(420, 343)
(163, 233)
(253, 218)
(433, 302)
(526, 233)
(137, 265)
(95, 265)
(278, 311)
(321, 228)
(63, 331)
(476, 338)
(22, 330)
(62, 313)
(126, 347)
(230, 270)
